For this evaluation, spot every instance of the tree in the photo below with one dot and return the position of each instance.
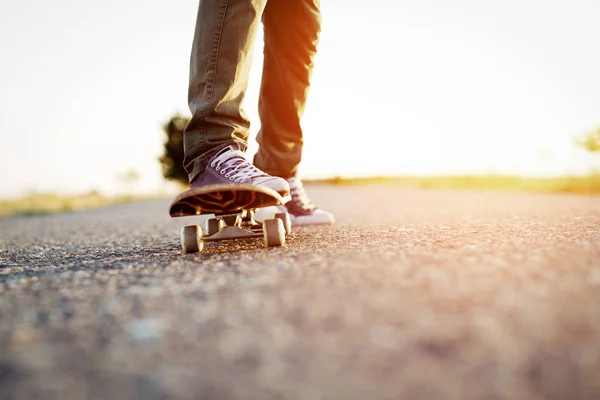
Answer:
(172, 159)
(591, 141)
(128, 180)
(128, 177)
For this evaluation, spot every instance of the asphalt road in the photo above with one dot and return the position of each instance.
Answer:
(413, 294)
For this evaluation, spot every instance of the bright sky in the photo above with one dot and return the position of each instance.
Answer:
(400, 87)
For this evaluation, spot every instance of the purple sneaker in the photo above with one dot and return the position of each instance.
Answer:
(231, 166)
(301, 210)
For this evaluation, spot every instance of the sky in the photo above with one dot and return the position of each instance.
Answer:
(433, 87)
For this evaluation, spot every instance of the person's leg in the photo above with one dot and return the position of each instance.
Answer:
(215, 139)
(292, 29)
(219, 68)
(291, 34)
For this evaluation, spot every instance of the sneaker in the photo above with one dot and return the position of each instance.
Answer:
(231, 166)
(300, 208)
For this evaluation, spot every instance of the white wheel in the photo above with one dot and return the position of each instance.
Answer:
(191, 239)
(287, 222)
(212, 226)
(274, 232)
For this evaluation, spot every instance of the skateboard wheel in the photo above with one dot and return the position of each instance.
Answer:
(274, 232)
(287, 222)
(213, 226)
(191, 239)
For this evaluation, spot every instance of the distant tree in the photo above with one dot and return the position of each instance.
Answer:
(172, 159)
(590, 141)
(128, 179)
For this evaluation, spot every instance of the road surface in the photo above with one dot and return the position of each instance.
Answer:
(413, 294)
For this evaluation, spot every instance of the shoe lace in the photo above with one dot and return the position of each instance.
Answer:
(299, 195)
(235, 167)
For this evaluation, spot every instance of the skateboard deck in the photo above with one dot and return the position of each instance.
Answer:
(223, 199)
(233, 206)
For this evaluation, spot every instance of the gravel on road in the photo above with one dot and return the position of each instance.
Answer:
(414, 294)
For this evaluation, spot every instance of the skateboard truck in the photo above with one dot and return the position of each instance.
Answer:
(238, 225)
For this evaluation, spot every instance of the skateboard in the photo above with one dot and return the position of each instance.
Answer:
(233, 206)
